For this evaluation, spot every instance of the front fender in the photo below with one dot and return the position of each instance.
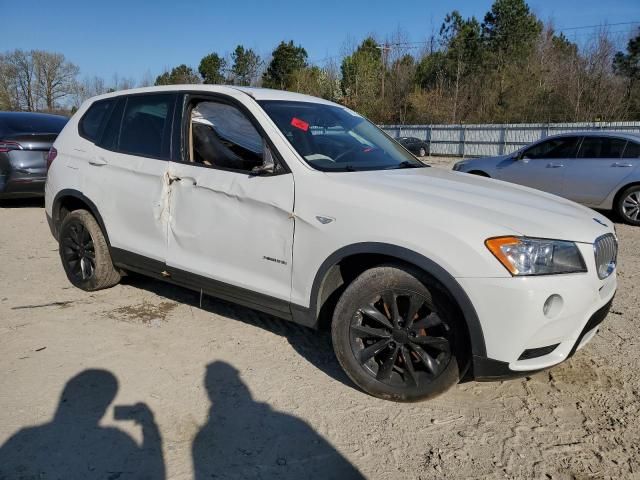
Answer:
(405, 255)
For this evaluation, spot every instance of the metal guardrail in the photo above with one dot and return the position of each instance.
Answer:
(486, 140)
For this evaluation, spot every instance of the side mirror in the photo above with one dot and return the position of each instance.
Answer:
(268, 166)
(264, 169)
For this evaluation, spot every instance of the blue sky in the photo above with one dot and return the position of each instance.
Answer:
(131, 37)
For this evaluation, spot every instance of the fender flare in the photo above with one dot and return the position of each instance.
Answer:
(69, 192)
(469, 313)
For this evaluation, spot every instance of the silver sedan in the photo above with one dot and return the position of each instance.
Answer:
(598, 169)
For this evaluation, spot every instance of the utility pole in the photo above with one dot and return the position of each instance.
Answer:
(384, 50)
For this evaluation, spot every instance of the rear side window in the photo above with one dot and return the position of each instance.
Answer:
(564, 147)
(111, 133)
(632, 150)
(146, 125)
(92, 120)
(601, 147)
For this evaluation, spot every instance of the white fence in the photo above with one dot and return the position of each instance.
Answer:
(499, 139)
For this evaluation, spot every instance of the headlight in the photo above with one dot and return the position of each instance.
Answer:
(458, 166)
(536, 256)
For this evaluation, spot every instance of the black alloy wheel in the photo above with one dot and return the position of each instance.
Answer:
(84, 252)
(400, 340)
(398, 336)
(78, 251)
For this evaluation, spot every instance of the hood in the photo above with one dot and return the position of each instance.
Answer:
(473, 163)
(460, 196)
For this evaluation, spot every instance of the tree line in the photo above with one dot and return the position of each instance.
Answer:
(508, 67)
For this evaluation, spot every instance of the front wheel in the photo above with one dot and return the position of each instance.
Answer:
(396, 336)
(628, 206)
(422, 153)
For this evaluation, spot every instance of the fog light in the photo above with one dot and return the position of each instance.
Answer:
(552, 306)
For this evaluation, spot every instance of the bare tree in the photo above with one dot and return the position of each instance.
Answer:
(122, 83)
(21, 66)
(9, 91)
(87, 88)
(55, 76)
(147, 79)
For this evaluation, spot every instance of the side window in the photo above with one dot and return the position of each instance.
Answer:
(146, 125)
(564, 147)
(111, 133)
(632, 150)
(601, 147)
(220, 135)
(91, 121)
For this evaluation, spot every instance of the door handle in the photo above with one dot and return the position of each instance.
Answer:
(555, 165)
(97, 161)
(622, 165)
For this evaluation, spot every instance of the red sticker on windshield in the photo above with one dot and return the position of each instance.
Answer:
(301, 124)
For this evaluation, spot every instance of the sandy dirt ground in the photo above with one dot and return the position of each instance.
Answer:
(150, 374)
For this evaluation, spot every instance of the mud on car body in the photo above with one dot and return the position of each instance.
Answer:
(303, 209)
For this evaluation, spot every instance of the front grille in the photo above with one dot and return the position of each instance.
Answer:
(606, 252)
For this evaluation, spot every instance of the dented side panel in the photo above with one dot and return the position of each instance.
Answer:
(232, 227)
(131, 192)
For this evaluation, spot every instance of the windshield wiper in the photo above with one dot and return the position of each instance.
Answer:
(407, 164)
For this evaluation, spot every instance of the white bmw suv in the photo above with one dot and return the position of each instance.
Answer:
(303, 209)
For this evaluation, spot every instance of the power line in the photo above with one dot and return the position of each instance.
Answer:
(602, 25)
(419, 44)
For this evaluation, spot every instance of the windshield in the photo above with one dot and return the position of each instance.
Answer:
(334, 138)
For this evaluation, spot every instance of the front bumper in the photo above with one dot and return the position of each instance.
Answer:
(487, 369)
(518, 334)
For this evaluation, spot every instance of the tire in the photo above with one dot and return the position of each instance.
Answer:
(422, 152)
(85, 254)
(361, 325)
(628, 205)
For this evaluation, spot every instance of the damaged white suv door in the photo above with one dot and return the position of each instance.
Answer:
(126, 168)
(230, 218)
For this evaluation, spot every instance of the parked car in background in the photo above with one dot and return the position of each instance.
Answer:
(418, 147)
(25, 140)
(302, 208)
(598, 169)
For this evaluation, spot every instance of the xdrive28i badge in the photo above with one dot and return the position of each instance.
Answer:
(275, 260)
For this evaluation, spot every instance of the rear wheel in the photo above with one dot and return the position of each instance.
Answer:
(396, 336)
(628, 205)
(84, 252)
(422, 152)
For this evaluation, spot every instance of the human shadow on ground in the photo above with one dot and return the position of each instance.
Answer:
(247, 439)
(313, 345)
(74, 446)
